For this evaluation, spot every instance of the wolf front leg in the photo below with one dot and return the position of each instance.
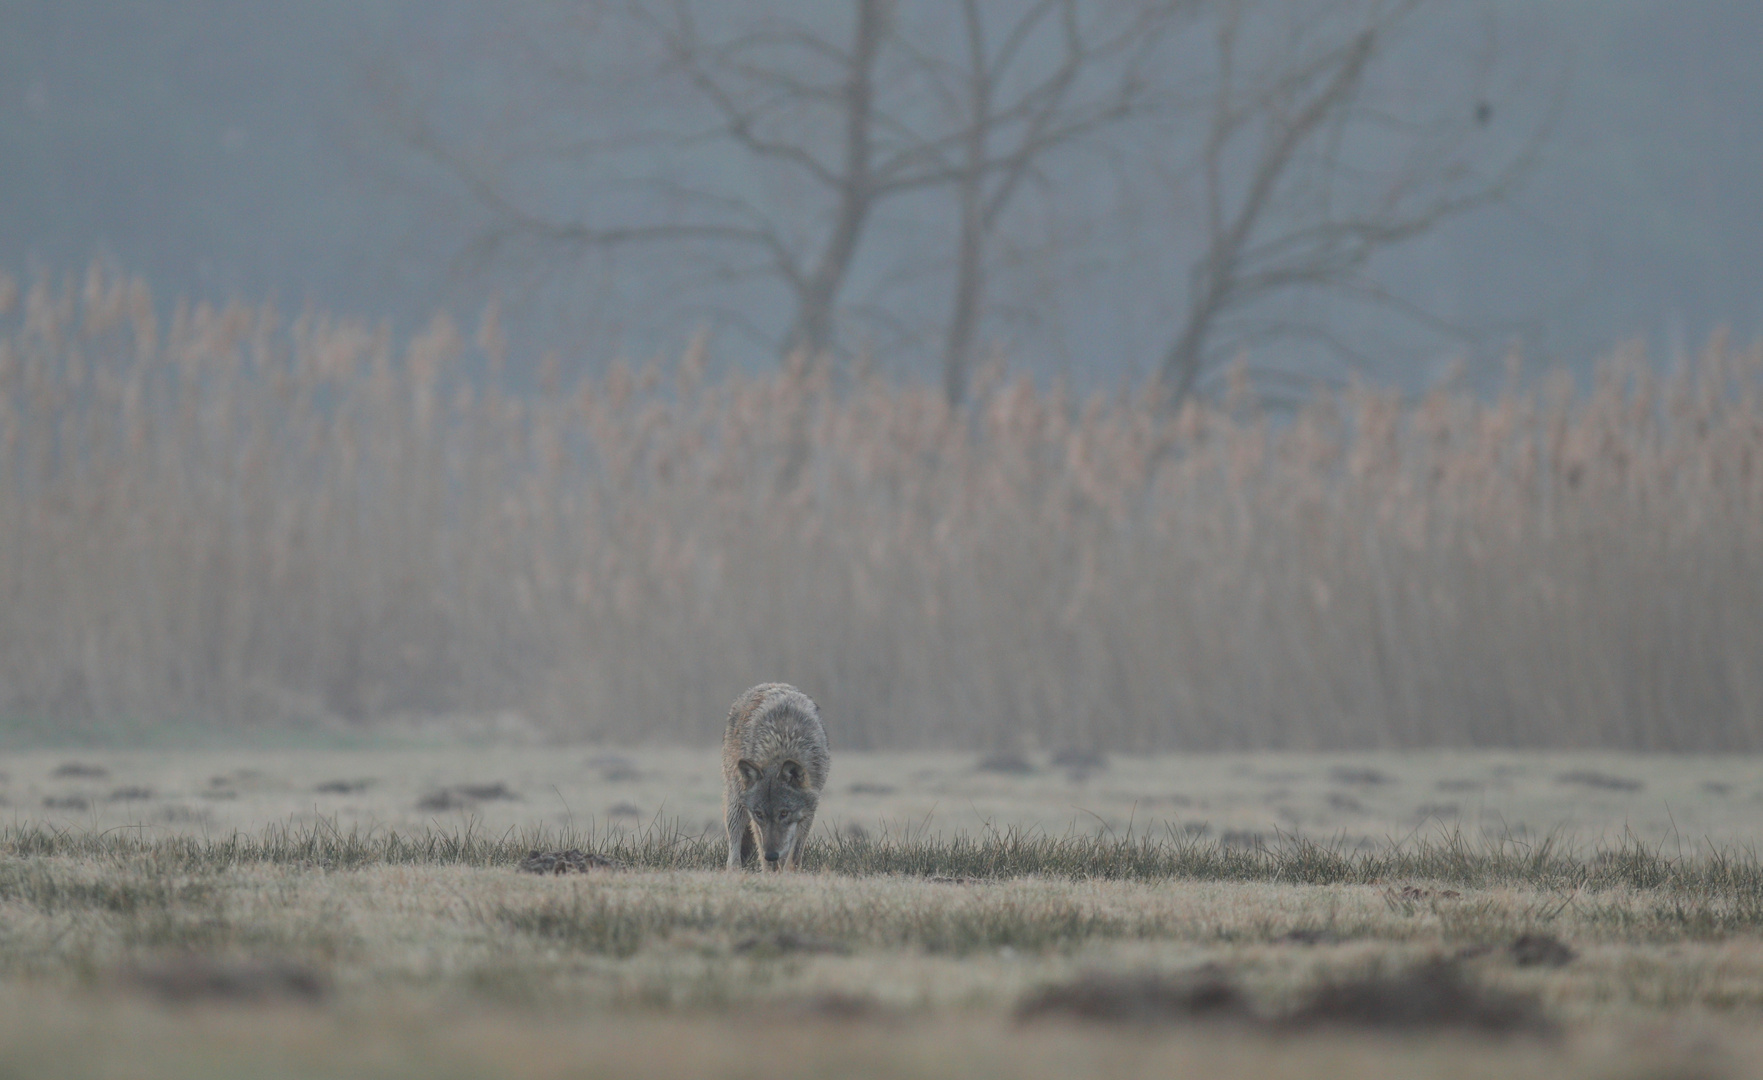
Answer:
(740, 832)
(795, 860)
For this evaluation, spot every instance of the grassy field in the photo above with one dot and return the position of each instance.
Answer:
(234, 528)
(282, 930)
(1356, 800)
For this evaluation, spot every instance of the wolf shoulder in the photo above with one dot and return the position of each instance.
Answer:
(776, 721)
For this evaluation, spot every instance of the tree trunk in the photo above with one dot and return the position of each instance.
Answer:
(817, 299)
(964, 318)
(1181, 364)
(970, 255)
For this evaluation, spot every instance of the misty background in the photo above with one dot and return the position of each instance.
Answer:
(1115, 373)
(229, 150)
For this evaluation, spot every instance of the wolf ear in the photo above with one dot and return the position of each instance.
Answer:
(749, 772)
(792, 773)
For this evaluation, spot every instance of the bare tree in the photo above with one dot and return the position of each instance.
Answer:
(857, 117)
(768, 139)
(755, 97)
(1287, 207)
(1025, 86)
(797, 101)
(802, 105)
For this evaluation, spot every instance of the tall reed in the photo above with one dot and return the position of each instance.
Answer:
(252, 520)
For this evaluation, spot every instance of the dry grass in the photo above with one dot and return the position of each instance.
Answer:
(248, 521)
(1357, 801)
(433, 956)
(344, 945)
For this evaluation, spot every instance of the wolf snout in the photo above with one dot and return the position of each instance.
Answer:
(771, 857)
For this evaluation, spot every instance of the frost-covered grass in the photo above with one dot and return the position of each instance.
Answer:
(356, 940)
(392, 949)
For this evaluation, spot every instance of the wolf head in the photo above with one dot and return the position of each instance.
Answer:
(777, 798)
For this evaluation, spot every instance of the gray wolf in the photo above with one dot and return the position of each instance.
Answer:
(774, 766)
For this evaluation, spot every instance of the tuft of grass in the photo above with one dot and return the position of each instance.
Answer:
(31, 882)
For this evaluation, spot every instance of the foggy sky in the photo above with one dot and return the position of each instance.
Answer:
(232, 149)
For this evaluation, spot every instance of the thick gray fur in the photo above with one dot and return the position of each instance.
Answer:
(774, 766)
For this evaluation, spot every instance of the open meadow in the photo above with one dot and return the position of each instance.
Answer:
(307, 913)
(1258, 634)
(1356, 800)
(1025, 618)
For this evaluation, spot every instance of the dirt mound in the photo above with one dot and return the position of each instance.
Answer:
(837, 1006)
(1359, 776)
(1005, 763)
(208, 978)
(1541, 950)
(465, 796)
(787, 941)
(1591, 778)
(80, 770)
(1149, 997)
(573, 861)
(1526, 950)
(1433, 996)
(343, 787)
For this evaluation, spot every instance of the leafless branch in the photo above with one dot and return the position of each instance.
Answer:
(1278, 228)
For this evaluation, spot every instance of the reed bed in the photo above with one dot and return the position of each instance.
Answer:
(251, 521)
